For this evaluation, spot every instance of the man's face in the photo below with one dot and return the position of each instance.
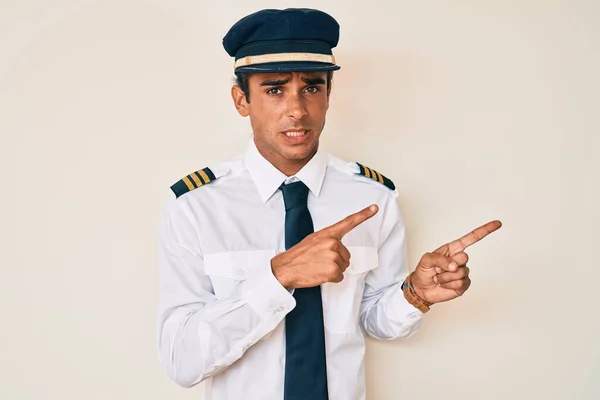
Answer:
(287, 114)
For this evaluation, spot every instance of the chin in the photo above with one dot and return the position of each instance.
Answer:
(299, 153)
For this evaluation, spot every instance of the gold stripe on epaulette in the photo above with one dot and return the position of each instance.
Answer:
(373, 174)
(367, 172)
(199, 177)
(188, 183)
(204, 176)
(197, 180)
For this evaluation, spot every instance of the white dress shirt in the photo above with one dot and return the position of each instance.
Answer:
(222, 312)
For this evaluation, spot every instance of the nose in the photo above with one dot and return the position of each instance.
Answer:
(296, 107)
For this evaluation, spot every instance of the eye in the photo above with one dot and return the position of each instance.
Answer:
(313, 89)
(275, 90)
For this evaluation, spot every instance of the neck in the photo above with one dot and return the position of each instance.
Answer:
(288, 167)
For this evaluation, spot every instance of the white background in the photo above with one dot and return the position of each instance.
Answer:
(478, 110)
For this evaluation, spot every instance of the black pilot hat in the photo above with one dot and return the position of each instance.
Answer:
(290, 40)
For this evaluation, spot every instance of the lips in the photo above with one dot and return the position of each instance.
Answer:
(296, 133)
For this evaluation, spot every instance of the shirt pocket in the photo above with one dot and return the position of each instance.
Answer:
(341, 301)
(227, 270)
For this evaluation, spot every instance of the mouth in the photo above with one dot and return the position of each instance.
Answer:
(296, 135)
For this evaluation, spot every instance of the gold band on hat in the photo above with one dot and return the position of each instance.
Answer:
(283, 57)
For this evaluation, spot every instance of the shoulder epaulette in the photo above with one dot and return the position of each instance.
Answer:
(193, 181)
(376, 176)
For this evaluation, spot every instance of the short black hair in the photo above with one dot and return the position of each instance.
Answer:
(241, 79)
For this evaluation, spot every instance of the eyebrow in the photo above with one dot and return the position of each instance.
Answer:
(314, 81)
(275, 82)
(281, 82)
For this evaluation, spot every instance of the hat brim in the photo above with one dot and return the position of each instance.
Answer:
(288, 66)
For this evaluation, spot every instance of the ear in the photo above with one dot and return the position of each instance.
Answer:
(239, 101)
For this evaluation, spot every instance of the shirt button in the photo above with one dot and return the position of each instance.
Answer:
(240, 272)
(280, 309)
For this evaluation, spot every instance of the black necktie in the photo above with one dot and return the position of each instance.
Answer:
(305, 367)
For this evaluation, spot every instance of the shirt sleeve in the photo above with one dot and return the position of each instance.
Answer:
(385, 313)
(198, 334)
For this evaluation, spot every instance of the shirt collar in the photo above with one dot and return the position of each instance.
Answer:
(267, 178)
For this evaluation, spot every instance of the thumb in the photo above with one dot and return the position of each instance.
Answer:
(432, 263)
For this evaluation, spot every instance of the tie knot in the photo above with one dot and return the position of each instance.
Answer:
(294, 194)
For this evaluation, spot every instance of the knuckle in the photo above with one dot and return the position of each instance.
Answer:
(466, 258)
(332, 256)
(331, 243)
(313, 238)
(346, 265)
(343, 250)
(334, 274)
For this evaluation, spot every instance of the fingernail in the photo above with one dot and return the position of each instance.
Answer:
(452, 266)
(373, 208)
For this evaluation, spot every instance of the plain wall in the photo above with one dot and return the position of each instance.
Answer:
(478, 110)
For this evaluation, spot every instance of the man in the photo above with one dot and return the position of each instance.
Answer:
(275, 265)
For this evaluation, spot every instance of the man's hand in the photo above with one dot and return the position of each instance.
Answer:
(443, 275)
(320, 257)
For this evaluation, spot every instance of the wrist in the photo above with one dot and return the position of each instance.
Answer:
(279, 272)
(414, 297)
(418, 292)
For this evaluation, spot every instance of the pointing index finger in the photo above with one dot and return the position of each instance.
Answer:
(474, 236)
(340, 229)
